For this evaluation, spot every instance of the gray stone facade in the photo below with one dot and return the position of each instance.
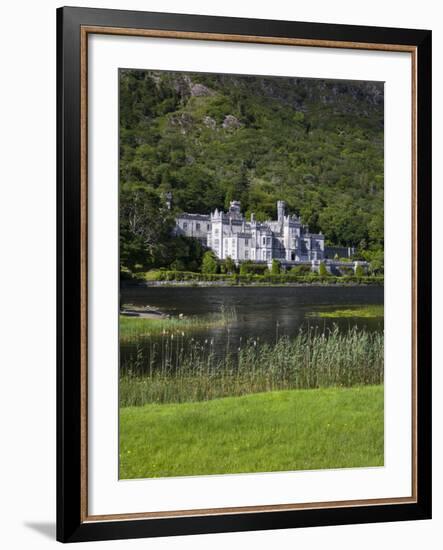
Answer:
(229, 234)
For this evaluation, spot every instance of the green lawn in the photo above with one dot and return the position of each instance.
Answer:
(273, 431)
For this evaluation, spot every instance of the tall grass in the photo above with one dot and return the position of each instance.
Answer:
(312, 359)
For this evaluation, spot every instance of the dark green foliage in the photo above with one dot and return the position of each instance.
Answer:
(301, 270)
(146, 238)
(145, 227)
(187, 252)
(317, 144)
(249, 268)
(376, 261)
(347, 271)
(228, 266)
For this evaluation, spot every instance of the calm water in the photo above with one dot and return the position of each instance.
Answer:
(264, 313)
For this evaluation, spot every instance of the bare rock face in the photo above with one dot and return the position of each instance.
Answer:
(209, 122)
(199, 90)
(183, 120)
(181, 85)
(231, 122)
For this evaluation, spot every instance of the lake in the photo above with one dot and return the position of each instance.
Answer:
(261, 313)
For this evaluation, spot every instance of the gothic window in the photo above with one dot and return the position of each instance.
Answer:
(216, 242)
(185, 226)
(264, 241)
(269, 241)
(197, 226)
(216, 231)
(246, 242)
(246, 254)
(208, 227)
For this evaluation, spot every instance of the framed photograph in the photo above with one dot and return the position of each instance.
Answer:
(244, 271)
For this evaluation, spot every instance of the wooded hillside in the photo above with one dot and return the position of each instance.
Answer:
(209, 139)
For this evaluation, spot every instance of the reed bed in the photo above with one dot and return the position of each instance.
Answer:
(312, 359)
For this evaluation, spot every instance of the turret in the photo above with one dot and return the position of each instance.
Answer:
(281, 206)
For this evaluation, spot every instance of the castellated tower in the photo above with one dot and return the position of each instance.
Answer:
(215, 236)
(229, 234)
(281, 206)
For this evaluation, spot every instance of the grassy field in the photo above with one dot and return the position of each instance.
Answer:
(273, 431)
(359, 312)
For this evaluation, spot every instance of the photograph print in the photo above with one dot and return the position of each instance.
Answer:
(251, 322)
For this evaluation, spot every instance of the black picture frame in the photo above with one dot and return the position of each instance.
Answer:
(71, 523)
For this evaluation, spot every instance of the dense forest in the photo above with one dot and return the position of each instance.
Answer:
(209, 139)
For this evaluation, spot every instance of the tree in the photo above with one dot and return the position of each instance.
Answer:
(322, 271)
(230, 265)
(209, 263)
(376, 261)
(186, 253)
(275, 268)
(145, 227)
(359, 271)
(376, 266)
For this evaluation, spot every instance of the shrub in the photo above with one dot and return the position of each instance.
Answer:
(125, 274)
(153, 275)
(250, 267)
(275, 269)
(322, 271)
(301, 270)
(347, 271)
(229, 266)
(359, 272)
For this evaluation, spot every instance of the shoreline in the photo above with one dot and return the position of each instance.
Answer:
(227, 284)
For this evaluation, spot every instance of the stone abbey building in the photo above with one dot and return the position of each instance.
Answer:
(229, 234)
